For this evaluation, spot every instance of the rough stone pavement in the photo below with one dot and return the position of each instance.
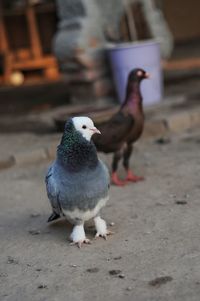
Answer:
(154, 254)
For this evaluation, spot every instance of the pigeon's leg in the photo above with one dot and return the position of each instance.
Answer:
(78, 236)
(130, 175)
(114, 177)
(101, 228)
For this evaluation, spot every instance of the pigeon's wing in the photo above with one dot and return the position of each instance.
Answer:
(114, 132)
(106, 171)
(52, 191)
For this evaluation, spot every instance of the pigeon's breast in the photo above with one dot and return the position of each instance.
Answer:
(83, 194)
(78, 216)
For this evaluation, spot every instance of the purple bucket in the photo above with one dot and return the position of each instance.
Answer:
(145, 54)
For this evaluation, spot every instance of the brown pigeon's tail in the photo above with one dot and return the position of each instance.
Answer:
(53, 217)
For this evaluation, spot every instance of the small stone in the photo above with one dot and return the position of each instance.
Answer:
(157, 282)
(93, 270)
(181, 202)
(162, 140)
(112, 224)
(3, 275)
(122, 276)
(73, 265)
(42, 285)
(12, 260)
(117, 258)
(129, 288)
(34, 215)
(34, 232)
(114, 272)
(38, 269)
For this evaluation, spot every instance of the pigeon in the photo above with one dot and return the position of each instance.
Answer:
(124, 128)
(78, 182)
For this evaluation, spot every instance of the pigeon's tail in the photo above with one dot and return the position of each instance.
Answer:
(53, 217)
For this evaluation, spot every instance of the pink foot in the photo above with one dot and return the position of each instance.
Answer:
(133, 178)
(116, 181)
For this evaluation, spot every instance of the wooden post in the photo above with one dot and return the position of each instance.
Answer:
(3, 38)
(33, 32)
(4, 48)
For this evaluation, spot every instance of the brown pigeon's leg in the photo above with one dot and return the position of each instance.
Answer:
(114, 177)
(133, 178)
(130, 175)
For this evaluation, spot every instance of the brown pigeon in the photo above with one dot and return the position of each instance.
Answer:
(124, 128)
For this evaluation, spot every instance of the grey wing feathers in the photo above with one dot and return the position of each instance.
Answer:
(107, 175)
(52, 192)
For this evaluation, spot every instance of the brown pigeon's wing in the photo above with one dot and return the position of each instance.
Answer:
(114, 132)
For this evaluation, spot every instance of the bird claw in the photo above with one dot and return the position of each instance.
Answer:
(133, 178)
(116, 181)
(80, 243)
(104, 235)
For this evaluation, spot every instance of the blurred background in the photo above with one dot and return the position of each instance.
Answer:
(64, 57)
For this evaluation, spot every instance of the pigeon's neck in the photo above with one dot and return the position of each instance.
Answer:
(76, 153)
(133, 98)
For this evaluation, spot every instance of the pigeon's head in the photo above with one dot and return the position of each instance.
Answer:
(85, 126)
(138, 74)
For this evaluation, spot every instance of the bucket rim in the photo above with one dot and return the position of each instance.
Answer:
(127, 45)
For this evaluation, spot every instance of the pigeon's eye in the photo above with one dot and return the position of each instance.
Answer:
(84, 127)
(139, 73)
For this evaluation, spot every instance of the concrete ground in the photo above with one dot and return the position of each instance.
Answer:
(154, 254)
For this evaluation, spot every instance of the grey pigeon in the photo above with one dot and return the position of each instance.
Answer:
(78, 182)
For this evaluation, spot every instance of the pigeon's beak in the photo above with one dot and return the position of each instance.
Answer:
(95, 130)
(147, 75)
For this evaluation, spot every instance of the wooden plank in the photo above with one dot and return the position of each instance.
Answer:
(44, 8)
(51, 72)
(189, 63)
(33, 32)
(43, 62)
